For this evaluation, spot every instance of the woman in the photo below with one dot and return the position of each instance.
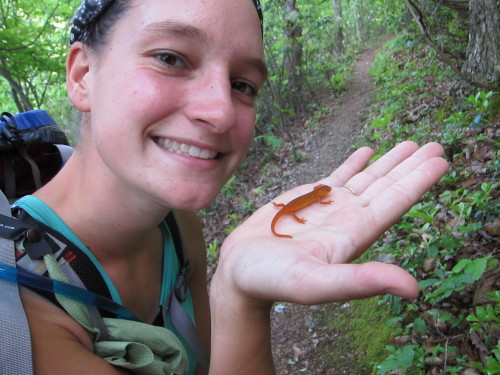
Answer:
(167, 90)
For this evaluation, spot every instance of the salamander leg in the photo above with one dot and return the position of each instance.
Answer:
(299, 219)
(326, 202)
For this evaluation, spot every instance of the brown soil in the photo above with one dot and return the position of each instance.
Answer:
(301, 344)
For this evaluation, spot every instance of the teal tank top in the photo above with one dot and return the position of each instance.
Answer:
(37, 209)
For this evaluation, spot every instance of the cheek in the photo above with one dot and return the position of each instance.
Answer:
(150, 102)
(138, 95)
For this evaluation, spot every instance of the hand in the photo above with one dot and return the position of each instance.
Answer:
(314, 267)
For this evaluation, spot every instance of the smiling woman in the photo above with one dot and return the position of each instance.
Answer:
(167, 90)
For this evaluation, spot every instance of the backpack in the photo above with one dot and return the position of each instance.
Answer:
(30, 141)
(33, 148)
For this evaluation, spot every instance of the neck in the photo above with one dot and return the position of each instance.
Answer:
(109, 219)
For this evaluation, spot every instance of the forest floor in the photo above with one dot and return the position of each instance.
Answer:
(301, 344)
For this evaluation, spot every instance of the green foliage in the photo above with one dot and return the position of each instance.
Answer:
(492, 362)
(431, 239)
(235, 221)
(228, 188)
(363, 333)
(271, 140)
(481, 103)
(323, 70)
(213, 252)
(486, 322)
(465, 272)
(408, 358)
(34, 39)
(487, 318)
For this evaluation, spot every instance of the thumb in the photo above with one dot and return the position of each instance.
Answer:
(341, 282)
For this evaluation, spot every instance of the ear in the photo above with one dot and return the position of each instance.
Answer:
(77, 67)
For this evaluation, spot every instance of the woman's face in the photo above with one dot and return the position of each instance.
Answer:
(172, 97)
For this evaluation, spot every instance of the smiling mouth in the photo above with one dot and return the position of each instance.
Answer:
(185, 149)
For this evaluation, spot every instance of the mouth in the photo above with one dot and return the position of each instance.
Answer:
(185, 149)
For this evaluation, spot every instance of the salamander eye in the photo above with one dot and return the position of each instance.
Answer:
(244, 88)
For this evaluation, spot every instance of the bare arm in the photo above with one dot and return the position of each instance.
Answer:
(60, 345)
(256, 268)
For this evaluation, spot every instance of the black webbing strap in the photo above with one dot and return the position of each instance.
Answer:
(35, 171)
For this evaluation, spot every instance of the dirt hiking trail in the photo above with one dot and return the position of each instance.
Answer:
(301, 344)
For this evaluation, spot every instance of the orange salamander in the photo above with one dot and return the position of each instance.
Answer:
(299, 203)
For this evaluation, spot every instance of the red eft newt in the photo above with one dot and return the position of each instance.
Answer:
(299, 203)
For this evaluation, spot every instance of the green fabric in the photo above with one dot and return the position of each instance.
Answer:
(140, 348)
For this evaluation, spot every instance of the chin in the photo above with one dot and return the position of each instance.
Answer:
(195, 202)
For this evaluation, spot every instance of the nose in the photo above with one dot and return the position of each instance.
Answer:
(211, 102)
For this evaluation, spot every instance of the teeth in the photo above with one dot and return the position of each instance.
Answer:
(184, 149)
(194, 151)
(205, 154)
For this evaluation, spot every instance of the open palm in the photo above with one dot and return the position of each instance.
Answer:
(314, 266)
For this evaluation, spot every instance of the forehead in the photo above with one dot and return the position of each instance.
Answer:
(218, 17)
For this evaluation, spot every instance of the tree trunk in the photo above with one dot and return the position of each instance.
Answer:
(293, 54)
(339, 30)
(357, 20)
(22, 100)
(483, 51)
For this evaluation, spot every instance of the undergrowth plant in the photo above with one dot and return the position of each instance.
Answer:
(447, 241)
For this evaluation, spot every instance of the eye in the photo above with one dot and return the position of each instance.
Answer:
(172, 59)
(244, 88)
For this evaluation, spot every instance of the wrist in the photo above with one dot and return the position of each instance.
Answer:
(241, 338)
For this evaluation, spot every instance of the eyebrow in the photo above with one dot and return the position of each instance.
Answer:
(183, 30)
(168, 28)
(259, 65)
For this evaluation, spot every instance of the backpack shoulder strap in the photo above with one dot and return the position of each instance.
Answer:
(178, 316)
(15, 339)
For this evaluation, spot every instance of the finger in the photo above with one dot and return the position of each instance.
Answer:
(408, 165)
(381, 167)
(390, 204)
(343, 282)
(354, 164)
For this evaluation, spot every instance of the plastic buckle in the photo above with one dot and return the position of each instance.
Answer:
(38, 244)
(10, 131)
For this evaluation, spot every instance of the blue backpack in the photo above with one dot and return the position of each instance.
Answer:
(30, 141)
(33, 148)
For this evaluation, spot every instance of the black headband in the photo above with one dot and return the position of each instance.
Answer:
(89, 10)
